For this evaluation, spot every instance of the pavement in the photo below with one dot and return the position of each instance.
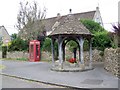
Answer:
(40, 71)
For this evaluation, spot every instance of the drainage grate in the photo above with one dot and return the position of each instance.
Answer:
(92, 81)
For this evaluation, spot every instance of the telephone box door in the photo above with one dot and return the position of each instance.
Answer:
(34, 50)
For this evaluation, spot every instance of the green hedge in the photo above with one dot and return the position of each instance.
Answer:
(18, 44)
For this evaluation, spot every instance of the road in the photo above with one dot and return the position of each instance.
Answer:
(41, 72)
(12, 82)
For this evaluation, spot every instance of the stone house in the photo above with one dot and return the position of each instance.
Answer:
(50, 23)
(4, 35)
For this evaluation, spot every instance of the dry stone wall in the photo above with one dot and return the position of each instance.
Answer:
(47, 55)
(112, 61)
(96, 56)
(17, 54)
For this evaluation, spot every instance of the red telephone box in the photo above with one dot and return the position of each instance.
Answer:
(34, 51)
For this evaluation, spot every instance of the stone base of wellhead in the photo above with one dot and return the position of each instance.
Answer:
(68, 67)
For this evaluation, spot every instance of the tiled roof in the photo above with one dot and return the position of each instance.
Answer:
(51, 21)
(70, 25)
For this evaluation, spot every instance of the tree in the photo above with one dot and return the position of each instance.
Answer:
(29, 21)
(116, 29)
(14, 36)
(92, 26)
(101, 39)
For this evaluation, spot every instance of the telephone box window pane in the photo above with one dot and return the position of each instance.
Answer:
(32, 51)
(37, 47)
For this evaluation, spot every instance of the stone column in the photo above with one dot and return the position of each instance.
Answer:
(90, 53)
(53, 52)
(74, 52)
(63, 47)
(81, 50)
(60, 52)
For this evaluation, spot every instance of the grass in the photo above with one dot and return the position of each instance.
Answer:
(7, 59)
(2, 66)
(22, 59)
(46, 60)
(18, 59)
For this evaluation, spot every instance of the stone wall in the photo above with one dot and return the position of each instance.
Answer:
(112, 61)
(17, 54)
(47, 55)
(96, 56)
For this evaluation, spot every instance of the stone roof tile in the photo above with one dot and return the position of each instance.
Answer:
(70, 25)
(49, 22)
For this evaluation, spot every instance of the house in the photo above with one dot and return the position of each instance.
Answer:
(51, 23)
(4, 36)
(95, 15)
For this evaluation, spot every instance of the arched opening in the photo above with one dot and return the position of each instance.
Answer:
(71, 49)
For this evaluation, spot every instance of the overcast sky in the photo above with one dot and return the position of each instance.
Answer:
(108, 8)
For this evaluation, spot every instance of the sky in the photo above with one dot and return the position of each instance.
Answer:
(108, 9)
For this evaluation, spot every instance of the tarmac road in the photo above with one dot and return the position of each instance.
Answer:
(40, 71)
(12, 82)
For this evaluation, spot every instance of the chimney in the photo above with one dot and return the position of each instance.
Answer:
(58, 14)
(97, 8)
(70, 11)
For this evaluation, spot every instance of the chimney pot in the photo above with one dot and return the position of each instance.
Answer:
(70, 11)
(58, 14)
(97, 8)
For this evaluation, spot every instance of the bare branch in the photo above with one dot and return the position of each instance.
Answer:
(27, 17)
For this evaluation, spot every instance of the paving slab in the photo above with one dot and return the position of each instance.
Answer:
(40, 71)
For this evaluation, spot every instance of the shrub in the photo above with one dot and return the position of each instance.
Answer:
(86, 45)
(101, 39)
(18, 44)
(116, 29)
(72, 44)
(47, 45)
(4, 51)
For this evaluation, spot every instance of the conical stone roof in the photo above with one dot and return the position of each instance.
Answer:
(70, 25)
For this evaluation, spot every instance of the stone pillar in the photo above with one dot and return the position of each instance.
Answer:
(90, 53)
(53, 52)
(63, 47)
(74, 52)
(81, 50)
(60, 52)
